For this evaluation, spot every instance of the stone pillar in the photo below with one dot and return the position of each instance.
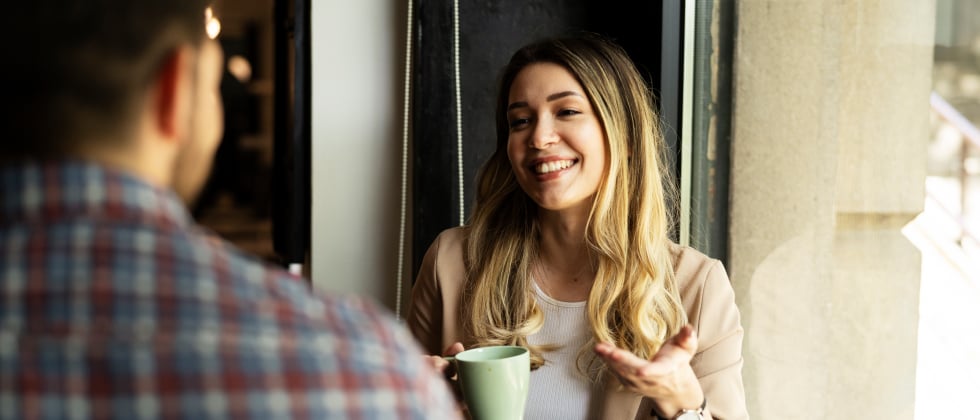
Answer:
(830, 125)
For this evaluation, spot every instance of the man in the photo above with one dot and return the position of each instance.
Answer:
(113, 303)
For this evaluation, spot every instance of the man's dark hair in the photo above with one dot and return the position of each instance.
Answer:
(77, 68)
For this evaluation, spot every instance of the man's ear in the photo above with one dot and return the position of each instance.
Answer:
(169, 93)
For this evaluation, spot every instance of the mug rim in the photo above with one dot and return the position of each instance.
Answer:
(520, 351)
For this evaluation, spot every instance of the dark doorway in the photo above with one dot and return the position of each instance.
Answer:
(235, 202)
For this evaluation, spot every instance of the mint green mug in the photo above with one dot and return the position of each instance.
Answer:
(494, 381)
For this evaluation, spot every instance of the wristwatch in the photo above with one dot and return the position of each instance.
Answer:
(695, 414)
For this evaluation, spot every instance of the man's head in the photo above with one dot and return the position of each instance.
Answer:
(129, 83)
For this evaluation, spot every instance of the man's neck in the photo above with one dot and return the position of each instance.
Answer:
(133, 158)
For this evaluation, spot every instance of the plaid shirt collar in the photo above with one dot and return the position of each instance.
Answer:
(35, 192)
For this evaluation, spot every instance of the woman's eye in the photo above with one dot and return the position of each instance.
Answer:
(568, 112)
(518, 122)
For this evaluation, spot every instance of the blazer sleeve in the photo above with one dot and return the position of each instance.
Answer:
(425, 308)
(718, 362)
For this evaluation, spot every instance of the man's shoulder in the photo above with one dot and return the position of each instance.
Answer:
(340, 333)
(288, 296)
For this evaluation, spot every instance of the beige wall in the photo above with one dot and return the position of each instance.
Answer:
(356, 156)
(830, 120)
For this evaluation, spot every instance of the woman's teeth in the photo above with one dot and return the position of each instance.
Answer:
(548, 167)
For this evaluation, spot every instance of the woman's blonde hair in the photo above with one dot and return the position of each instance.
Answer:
(634, 302)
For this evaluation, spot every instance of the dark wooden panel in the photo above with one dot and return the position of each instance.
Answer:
(291, 166)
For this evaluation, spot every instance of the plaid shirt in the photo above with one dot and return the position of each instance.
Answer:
(113, 304)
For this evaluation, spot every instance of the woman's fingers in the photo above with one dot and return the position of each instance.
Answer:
(686, 339)
(449, 369)
(437, 362)
(667, 377)
(453, 349)
(665, 362)
(621, 360)
(675, 353)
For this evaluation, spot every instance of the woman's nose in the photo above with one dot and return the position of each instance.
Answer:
(544, 134)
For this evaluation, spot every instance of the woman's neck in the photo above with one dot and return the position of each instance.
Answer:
(564, 268)
(562, 237)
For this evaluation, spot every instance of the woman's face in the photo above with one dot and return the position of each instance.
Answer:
(556, 145)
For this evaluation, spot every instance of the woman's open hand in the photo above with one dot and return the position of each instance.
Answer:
(667, 378)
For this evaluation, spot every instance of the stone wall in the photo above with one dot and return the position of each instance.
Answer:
(830, 127)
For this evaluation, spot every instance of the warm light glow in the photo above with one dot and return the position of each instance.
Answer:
(212, 24)
(239, 67)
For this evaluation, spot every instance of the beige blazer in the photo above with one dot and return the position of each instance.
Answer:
(705, 291)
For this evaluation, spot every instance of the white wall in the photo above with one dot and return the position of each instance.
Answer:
(356, 157)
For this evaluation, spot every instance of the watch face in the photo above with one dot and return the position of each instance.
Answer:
(689, 415)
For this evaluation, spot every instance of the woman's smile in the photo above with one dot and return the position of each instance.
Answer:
(545, 168)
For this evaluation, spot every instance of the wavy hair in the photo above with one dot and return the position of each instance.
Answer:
(634, 302)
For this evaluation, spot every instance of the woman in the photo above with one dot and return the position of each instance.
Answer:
(568, 253)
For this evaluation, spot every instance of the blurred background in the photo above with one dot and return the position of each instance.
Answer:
(236, 201)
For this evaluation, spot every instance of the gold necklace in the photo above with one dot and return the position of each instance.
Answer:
(546, 274)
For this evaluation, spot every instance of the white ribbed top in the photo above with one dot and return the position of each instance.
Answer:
(558, 390)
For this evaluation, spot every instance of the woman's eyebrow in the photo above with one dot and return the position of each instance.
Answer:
(550, 98)
(559, 95)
